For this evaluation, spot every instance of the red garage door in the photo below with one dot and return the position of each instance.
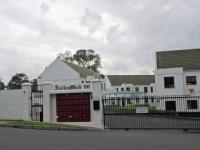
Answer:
(73, 107)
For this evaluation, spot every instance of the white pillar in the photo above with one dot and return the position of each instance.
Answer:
(97, 115)
(47, 88)
(26, 87)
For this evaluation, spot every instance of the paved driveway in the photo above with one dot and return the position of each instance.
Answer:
(152, 122)
(25, 139)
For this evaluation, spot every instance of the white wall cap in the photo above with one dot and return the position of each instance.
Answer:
(27, 84)
(97, 80)
(47, 83)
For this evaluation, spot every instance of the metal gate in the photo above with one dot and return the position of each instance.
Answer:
(37, 103)
(151, 112)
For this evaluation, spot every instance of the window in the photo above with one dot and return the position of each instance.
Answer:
(151, 89)
(117, 89)
(145, 89)
(192, 104)
(169, 82)
(128, 89)
(136, 89)
(122, 89)
(191, 80)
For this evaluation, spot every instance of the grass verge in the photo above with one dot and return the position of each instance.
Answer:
(42, 125)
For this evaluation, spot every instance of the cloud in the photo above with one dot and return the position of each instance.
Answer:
(113, 32)
(44, 7)
(126, 35)
(91, 20)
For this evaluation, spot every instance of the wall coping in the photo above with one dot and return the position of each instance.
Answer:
(27, 84)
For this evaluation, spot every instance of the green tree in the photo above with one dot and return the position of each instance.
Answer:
(2, 85)
(67, 56)
(88, 59)
(16, 81)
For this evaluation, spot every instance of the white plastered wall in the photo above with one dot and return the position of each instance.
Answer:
(15, 104)
(58, 72)
(177, 73)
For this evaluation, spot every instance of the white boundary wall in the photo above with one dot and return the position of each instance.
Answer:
(14, 104)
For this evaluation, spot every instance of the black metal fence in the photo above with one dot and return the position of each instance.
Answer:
(151, 112)
(37, 103)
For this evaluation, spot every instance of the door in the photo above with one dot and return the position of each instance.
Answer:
(73, 107)
(170, 105)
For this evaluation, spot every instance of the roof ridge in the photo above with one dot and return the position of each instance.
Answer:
(131, 75)
(175, 50)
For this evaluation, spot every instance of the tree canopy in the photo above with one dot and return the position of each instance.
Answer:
(16, 81)
(88, 59)
(2, 85)
(85, 58)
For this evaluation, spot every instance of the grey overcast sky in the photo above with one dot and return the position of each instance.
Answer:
(126, 33)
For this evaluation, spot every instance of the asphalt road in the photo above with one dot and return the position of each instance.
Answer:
(25, 139)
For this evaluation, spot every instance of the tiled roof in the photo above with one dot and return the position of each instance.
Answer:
(117, 80)
(82, 71)
(188, 59)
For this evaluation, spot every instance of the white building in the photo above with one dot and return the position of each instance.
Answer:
(135, 84)
(61, 73)
(65, 93)
(122, 88)
(178, 73)
(73, 94)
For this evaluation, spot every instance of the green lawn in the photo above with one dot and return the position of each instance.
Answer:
(43, 124)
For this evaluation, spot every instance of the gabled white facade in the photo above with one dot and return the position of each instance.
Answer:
(57, 72)
(60, 73)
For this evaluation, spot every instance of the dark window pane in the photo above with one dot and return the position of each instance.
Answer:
(128, 89)
(192, 104)
(145, 89)
(136, 89)
(169, 82)
(151, 89)
(191, 80)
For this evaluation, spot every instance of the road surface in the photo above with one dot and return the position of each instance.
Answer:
(26, 139)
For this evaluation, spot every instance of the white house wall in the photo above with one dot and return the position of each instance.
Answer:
(14, 104)
(178, 75)
(59, 72)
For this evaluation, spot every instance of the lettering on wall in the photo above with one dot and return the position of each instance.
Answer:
(72, 87)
